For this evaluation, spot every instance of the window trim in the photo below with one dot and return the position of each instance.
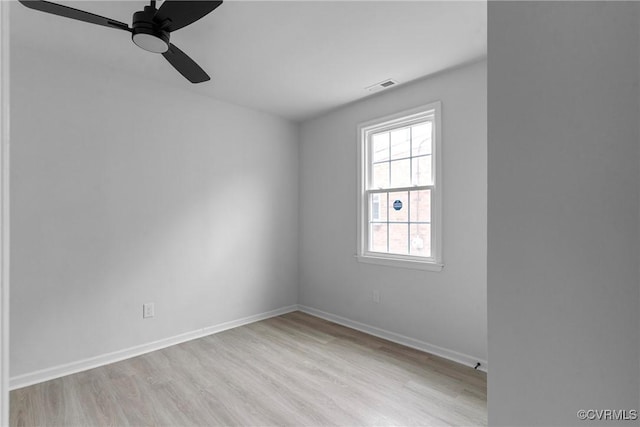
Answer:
(434, 263)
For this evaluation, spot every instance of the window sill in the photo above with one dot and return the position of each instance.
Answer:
(400, 263)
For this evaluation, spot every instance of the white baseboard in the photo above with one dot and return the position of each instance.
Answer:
(116, 356)
(36, 377)
(397, 338)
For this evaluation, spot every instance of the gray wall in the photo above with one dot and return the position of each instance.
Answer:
(445, 309)
(125, 192)
(562, 210)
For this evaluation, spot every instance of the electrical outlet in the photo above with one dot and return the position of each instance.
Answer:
(375, 296)
(148, 310)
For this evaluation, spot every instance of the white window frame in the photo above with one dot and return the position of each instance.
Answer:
(365, 130)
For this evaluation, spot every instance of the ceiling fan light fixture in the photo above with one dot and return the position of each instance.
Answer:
(150, 42)
(146, 34)
(150, 29)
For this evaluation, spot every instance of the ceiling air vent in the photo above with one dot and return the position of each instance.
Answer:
(382, 85)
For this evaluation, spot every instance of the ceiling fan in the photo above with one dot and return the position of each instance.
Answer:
(150, 28)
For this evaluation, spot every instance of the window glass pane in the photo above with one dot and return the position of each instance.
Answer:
(400, 143)
(421, 170)
(399, 239)
(398, 206)
(378, 207)
(421, 139)
(378, 237)
(420, 240)
(401, 173)
(380, 147)
(399, 187)
(420, 206)
(380, 175)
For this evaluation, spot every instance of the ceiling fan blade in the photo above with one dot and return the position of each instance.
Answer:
(69, 12)
(185, 65)
(181, 13)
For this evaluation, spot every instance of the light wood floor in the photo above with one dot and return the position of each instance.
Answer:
(293, 369)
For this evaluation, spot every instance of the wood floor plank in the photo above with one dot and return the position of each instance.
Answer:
(290, 370)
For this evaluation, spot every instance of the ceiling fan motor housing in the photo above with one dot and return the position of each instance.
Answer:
(148, 34)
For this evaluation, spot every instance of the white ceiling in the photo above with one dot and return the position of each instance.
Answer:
(295, 59)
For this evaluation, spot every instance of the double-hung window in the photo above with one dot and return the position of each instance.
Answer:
(400, 185)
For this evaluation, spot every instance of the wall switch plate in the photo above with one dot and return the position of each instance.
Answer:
(375, 296)
(148, 310)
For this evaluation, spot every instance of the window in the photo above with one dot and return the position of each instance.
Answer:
(400, 201)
